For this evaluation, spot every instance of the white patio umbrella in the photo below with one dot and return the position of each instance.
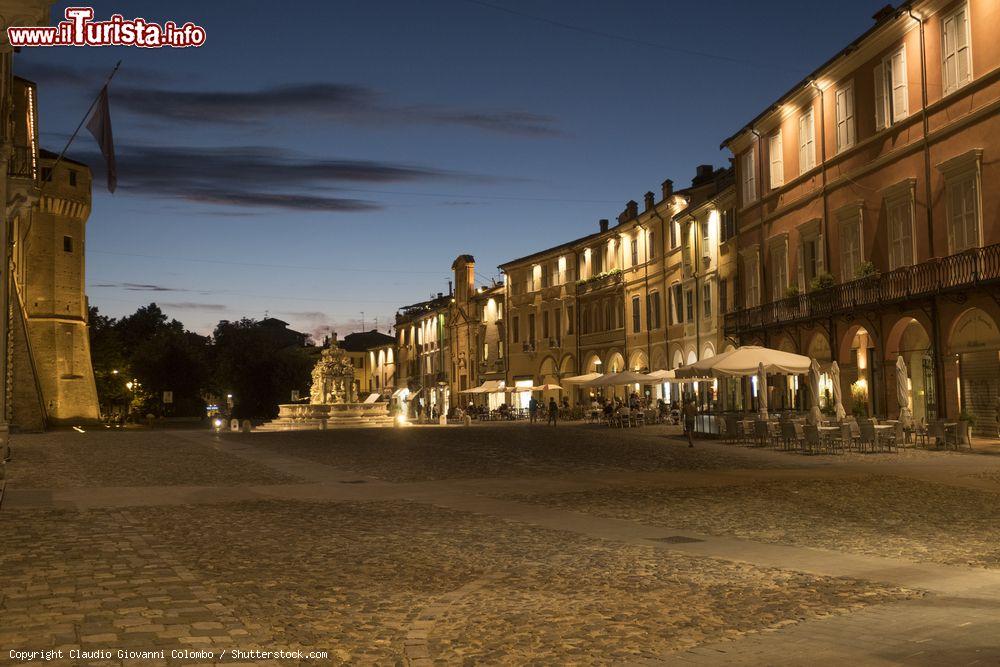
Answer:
(762, 390)
(582, 379)
(619, 379)
(903, 393)
(838, 398)
(671, 376)
(815, 414)
(547, 387)
(745, 361)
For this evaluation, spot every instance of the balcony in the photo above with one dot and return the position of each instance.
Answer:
(599, 282)
(22, 162)
(972, 268)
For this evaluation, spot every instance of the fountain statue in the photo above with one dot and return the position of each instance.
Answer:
(332, 399)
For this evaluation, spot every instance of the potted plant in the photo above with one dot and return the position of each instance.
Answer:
(821, 281)
(791, 291)
(866, 270)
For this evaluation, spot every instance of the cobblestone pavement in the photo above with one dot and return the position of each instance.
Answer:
(126, 458)
(353, 577)
(433, 565)
(877, 515)
(505, 450)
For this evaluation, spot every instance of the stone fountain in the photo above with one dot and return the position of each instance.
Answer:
(332, 402)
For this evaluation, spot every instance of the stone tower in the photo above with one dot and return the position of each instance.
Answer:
(52, 379)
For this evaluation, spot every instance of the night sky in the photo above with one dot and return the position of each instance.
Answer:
(319, 159)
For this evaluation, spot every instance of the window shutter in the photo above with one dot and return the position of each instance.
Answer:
(841, 119)
(799, 262)
(849, 115)
(820, 268)
(803, 166)
(900, 94)
(880, 110)
(949, 66)
(962, 47)
(775, 153)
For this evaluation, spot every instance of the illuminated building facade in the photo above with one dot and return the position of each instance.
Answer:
(868, 199)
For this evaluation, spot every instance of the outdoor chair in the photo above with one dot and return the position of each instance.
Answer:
(868, 439)
(812, 442)
(789, 439)
(846, 439)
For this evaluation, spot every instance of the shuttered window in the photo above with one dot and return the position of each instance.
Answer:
(775, 155)
(956, 62)
(807, 142)
(845, 118)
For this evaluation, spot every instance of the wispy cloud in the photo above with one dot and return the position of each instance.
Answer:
(141, 287)
(192, 305)
(258, 177)
(336, 102)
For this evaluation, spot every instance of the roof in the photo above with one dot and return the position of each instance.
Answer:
(468, 259)
(422, 308)
(562, 246)
(365, 340)
(882, 17)
(49, 155)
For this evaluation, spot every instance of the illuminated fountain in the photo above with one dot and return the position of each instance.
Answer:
(332, 402)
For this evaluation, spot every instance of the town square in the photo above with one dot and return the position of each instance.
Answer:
(489, 332)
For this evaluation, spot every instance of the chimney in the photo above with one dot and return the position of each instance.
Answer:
(604, 224)
(883, 14)
(668, 188)
(648, 201)
(440, 294)
(631, 209)
(703, 173)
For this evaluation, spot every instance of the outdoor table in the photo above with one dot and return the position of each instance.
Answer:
(828, 432)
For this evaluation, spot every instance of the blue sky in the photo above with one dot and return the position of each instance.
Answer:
(319, 159)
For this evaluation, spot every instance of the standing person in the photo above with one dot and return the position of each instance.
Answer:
(690, 412)
(553, 412)
(533, 409)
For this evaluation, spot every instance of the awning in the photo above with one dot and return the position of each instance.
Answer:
(547, 387)
(745, 361)
(488, 387)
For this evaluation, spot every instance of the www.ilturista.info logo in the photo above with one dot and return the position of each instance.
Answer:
(79, 29)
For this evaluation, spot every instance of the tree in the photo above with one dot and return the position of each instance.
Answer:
(258, 368)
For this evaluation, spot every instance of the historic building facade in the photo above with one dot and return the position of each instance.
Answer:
(423, 355)
(868, 213)
(51, 380)
(374, 357)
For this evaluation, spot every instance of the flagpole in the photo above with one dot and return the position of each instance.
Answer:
(82, 121)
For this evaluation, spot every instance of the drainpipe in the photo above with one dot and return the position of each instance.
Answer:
(822, 150)
(762, 287)
(938, 356)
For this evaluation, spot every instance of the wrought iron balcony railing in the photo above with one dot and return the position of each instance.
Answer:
(22, 162)
(971, 268)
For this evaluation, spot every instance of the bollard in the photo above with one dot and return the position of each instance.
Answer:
(246, 426)
(468, 420)
(234, 425)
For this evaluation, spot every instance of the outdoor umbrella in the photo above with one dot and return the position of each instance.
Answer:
(582, 379)
(762, 390)
(838, 399)
(815, 414)
(744, 361)
(903, 393)
(619, 379)
(547, 387)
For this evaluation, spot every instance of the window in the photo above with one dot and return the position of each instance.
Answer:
(728, 224)
(956, 65)
(706, 300)
(748, 180)
(779, 270)
(598, 263)
(891, 93)
(807, 141)
(545, 324)
(723, 296)
(706, 247)
(851, 254)
(635, 252)
(774, 152)
(689, 302)
(636, 319)
(678, 305)
(46, 174)
(569, 320)
(651, 245)
(486, 351)
(68, 244)
(899, 215)
(653, 310)
(531, 328)
(72, 177)
(557, 323)
(674, 227)
(810, 256)
(751, 272)
(515, 329)
(845, 118)
(963, 212)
